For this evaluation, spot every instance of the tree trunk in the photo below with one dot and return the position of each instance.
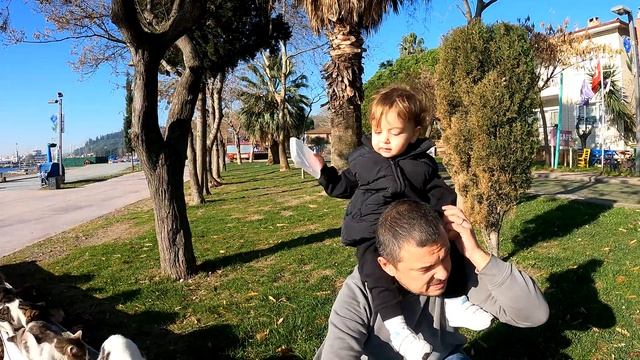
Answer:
(343, 74)
(215, 160)
(492, 239)
(545, 136)
(162, 156)
(195, 186)
(282, 154)
(163, 159)
(215, 113)
(274, 154)
(253, 146)
(222, 153)
(201, 150)
(236, 136)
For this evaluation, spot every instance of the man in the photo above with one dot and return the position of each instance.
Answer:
(414, 249)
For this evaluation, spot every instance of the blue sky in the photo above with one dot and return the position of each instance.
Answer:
(32, 74)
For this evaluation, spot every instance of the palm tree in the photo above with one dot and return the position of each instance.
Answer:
(411, 44)
(616, 105)
(260, 111)
(345, 21)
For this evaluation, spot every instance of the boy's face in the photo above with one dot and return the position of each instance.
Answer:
(422, 270)
(394, 135)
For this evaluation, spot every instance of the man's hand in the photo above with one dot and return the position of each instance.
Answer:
(461, 234)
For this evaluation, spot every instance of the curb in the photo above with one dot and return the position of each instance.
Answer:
(586, 177)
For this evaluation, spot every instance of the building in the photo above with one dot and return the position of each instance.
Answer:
(38, 156)
(610, 34)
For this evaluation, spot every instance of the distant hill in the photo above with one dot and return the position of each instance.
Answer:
(105, 145)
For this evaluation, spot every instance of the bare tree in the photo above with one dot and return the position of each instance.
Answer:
(162, 155)
(476, 13)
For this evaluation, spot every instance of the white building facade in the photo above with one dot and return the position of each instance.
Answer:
(611, 34)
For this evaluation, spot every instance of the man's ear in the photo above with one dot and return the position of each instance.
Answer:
(387, 266)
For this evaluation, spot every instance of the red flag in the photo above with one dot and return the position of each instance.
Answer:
(595, 82)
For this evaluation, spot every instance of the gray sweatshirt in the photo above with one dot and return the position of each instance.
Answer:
(356, 332)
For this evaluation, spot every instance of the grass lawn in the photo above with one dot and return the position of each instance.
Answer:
(271, 263)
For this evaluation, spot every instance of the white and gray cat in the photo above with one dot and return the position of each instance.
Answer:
(118, 347)
(43, 341)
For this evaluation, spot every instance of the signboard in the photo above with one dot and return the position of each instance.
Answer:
(566, 138)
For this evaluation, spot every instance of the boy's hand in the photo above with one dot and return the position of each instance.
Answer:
(320, 160)
(461, 234)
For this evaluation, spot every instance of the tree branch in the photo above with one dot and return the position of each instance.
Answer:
(124, 15)
(467, 11)
(74, 37)
(310, 49)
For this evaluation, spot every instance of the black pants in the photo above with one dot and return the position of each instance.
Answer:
(384, 289)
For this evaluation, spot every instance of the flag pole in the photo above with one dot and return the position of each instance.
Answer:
(603, 115)
(555, 160)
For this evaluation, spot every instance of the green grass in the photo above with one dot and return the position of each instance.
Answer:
(271, 263)
(84, 182)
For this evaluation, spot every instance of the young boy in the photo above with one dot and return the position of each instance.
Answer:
(393, 164)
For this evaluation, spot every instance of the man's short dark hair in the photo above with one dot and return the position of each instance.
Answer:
(406, 221)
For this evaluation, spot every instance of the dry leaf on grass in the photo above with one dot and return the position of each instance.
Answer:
(262, 335)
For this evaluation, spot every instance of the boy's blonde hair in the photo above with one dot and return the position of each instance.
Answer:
(405, 101)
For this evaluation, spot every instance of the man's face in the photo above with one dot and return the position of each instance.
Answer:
(394, 135)
(422, 270)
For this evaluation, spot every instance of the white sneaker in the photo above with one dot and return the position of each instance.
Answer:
(460, 312)
(410, 345)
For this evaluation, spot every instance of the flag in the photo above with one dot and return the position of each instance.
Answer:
(595, 82)
(585, 93)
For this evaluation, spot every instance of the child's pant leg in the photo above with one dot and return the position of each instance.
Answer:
(457, 284)
(384, 292)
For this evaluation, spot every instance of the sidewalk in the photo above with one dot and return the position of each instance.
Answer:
(590, 187)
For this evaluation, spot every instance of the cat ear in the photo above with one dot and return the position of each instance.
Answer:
(78, 334)
(73, 350)
(12, 339)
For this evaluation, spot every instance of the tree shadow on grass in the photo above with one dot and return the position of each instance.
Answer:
(249, 256)
(574, 306)
(100, 317)
(557, 222)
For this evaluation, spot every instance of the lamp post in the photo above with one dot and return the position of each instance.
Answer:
(60, 130)
(623, 10)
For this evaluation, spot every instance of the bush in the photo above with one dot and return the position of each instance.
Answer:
(486, 97)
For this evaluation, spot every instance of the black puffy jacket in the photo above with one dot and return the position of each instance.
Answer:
(373, 182)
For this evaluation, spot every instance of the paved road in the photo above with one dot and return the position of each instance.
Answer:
(29, 214)
(622, 192)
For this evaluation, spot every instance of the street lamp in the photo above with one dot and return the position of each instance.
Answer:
(60, 130)
(623, 10)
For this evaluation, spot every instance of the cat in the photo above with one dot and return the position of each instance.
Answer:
(43, 341)
(17, 314)
(118, 347)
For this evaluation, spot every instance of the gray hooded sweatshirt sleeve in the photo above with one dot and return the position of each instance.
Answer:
(356, 332)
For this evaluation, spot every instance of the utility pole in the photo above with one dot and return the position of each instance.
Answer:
(60, 130)
(623, 10)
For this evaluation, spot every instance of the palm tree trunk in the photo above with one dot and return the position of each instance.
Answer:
(282, 154)
(344, 85)
(274, 154)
